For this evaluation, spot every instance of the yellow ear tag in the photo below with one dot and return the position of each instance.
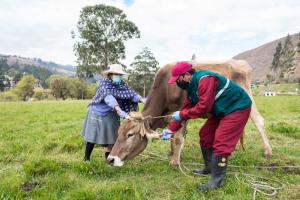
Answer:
(221, 164)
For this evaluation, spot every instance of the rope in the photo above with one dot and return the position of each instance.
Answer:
(260, 186)
(265, 187)
(157, 117)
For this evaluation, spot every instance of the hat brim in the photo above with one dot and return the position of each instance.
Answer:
(173, 79)
(114, 72)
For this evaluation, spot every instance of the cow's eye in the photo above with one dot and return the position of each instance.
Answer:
(130, 135)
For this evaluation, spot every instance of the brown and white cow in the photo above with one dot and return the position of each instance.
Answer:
(164, 98)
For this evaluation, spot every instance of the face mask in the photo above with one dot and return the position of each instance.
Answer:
(183, 84)
(116, 78)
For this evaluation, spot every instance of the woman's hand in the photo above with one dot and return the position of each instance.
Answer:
(121, 113)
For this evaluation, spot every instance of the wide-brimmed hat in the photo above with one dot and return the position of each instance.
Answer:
(178, 69)
(114, 69)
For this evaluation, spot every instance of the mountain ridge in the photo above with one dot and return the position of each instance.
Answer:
(260, 59)
(68, 70)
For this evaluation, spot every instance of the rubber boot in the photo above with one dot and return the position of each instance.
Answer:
(207, 154)
(88, 151)
(219, 168)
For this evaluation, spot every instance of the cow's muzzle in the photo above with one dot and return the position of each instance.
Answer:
(115, 161)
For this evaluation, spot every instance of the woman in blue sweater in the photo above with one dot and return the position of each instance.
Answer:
(113, 100)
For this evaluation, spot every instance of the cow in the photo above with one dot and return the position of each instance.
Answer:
(163, 99)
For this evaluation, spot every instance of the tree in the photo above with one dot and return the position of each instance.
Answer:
(276, 60)
(80, 88)
(3, 66)
(287, 58)
(2, 83)
(91, 90)
(143, 71)
(25, 87)
(59, 86)
(283, 64)
(102, 32)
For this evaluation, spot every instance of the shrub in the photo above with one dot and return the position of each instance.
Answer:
(40, 95)
(8, 96)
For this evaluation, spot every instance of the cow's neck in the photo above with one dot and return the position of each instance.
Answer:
(154, 108)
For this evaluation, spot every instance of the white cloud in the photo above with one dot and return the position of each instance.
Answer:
(172, 29)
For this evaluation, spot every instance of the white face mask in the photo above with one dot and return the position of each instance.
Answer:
(116, 78)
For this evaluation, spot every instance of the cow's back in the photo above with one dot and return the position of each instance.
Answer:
(164, 98)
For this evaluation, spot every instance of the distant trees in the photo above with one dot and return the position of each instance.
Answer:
(59, 86)
(16, 71)
(24, 88)
(66, 87)
(283, 65)
(102, 32)
(142, 71)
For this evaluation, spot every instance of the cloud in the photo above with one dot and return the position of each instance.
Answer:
(172, 29)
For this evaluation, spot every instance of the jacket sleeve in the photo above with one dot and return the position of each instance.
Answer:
(176, 125)
(206, 92)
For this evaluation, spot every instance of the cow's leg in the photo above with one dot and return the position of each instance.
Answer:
(258, 120)
(173, 146)
(177, 145)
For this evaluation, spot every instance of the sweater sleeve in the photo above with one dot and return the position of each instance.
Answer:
(136, 98)
(206, 92)
(110, 101)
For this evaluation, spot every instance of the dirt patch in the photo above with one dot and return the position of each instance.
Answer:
(28, 186)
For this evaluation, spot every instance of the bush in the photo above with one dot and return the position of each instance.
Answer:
(91, 90)
(40, 95)
(8, 96)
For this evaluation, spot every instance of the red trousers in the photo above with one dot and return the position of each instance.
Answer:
(223, 133)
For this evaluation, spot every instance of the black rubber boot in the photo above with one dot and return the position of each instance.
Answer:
(207, 154)
(88, 151)
(219, 168)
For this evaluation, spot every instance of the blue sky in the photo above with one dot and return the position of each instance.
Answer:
(172, 29)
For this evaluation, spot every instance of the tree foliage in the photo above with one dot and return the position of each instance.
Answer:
(102, 32)
(143, 71)
(16, 71)
(59, 87)
(25, 86)
(283, 64)
(65, 87)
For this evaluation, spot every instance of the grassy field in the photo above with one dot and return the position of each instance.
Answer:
(41, 157)
(281, 88)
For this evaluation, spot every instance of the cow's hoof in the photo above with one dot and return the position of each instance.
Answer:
(174, 162)
(268, 156)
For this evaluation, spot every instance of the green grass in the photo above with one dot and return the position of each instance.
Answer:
(41, 153)
(282, 88)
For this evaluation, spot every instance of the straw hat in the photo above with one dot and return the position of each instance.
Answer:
(114, 69)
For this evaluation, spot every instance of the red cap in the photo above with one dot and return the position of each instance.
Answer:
(178, 69)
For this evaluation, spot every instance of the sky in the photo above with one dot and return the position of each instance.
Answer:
(173, 30)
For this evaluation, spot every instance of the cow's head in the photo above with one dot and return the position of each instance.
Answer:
(133, 136)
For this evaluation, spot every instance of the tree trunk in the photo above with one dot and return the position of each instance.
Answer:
(144, 93)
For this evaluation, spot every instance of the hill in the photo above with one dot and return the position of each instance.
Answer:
(13, 60)
(261, 58)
